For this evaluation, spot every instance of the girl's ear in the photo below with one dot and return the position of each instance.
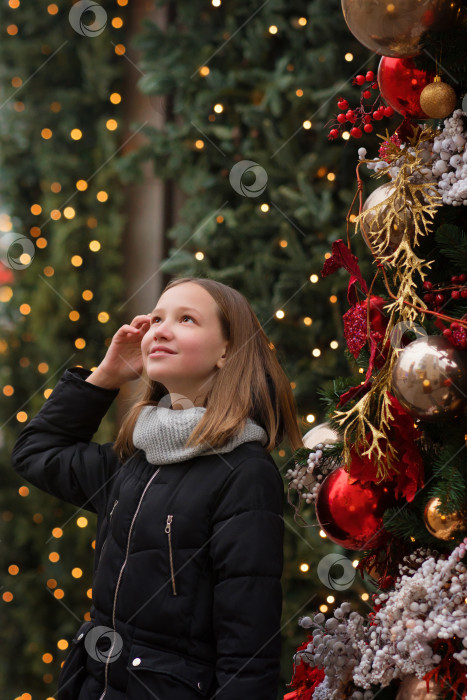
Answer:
(223, 358)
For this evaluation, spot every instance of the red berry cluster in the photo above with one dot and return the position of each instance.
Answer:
(457, 335)
(435, 298)
(363, 115)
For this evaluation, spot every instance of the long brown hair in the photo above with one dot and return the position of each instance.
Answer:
(251, 384)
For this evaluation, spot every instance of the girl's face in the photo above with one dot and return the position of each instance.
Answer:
(185, 321)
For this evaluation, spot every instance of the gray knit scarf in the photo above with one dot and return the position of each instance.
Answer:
(162, 432)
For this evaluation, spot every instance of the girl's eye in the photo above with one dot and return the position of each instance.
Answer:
(184, 316)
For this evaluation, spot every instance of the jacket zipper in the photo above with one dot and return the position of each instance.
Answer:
(110, 520)
(109, 656)
(168, 530)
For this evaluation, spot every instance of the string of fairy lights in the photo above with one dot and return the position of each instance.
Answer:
(68, 212)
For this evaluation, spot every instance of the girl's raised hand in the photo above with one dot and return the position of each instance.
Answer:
(123, 361)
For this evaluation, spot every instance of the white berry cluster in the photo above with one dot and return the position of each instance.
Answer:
(335, 649)
(450, 163)
(307, 479)
(422, 173)
(426, 606)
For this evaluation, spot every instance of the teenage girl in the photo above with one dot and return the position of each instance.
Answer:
(187, 596)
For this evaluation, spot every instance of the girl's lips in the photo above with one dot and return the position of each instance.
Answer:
(160, 352)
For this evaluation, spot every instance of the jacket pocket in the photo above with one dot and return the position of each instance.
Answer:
(168, 531)
(73, 671)
(156, 668)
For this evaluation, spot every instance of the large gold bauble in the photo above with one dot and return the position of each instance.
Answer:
(429, 378)
(395, 28)
(444, 527)
(372, 221)
(322, 433)
(413, 688)
(438, 99)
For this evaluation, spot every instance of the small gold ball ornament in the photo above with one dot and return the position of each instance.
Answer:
(444, 527)
(438, 99)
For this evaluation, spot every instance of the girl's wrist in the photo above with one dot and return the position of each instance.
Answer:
(100, 378)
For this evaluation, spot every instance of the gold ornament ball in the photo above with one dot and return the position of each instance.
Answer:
(438, 99)
(429, 379)
(444, 527)
(413, 688)
(396, 28)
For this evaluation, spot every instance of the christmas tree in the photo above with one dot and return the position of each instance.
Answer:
(388, 480)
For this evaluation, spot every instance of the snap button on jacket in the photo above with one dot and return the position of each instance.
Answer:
(187, 564)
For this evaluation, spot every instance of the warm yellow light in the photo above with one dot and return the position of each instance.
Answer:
(279, 314)
(80, 343)
(204, 71)
(346, 135)
(55, 187)
(216, 3)
(273, 29)
(218, 108)
(94, 246)
(36, 209)
(69, 213)
(314, 278)
(355, 563)
(307, 124)
(365, 596)
(12, 29)
(55, 214)
(361, 370)
(322, 534)
(46, 133)
(117, 22)
(120, 49)
(304, 567)
(81, 185)
(199, 255)
(102, 196)
(76, 572)
(331, 177)
(333, 297)
(115, 98)
(111, 124)
(348, 57)
(8, 390)
(264, 207)
(47, 658)
(59, 593)
(283, 244)
(13, 569)
(14, 4)
(73, 315)
(25, 309)
(7, 596)
(76, 260)
(103, 317)
(57, 532)
(299, 93)
(82, 521)
(307, 321)
(302, 21)
(323, 608)
(334, 344)
(87, 295)
(21, 416)
(199, 144)
(310, 418)
(52, 9)
(54, 556)
(76, 134)
(62, 644)
(330, 599)
(51, 583)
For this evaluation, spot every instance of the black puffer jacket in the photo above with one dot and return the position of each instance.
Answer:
(188, 559)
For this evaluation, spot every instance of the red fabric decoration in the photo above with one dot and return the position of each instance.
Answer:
(306, 678)
(403, 436)
(342, 257)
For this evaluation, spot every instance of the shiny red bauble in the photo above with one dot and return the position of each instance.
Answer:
(351, 514)
(401, 83)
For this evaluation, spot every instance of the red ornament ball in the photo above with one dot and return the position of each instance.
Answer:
(351, 514)
(401, 83)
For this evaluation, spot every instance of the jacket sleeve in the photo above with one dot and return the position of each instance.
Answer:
(246, 548)
(54, 452)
